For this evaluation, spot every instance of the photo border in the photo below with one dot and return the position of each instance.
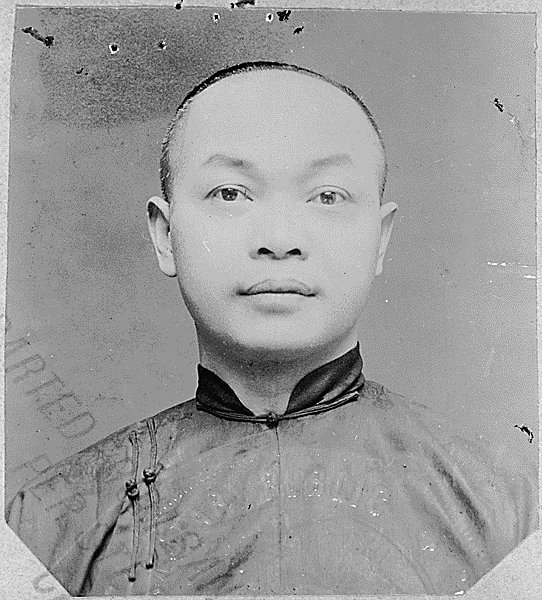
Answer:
(22, 575)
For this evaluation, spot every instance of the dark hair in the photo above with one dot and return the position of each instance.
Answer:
(246, 67)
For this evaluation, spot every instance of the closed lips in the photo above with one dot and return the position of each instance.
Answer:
(269, 286)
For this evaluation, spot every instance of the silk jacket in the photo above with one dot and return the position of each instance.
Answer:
(354, 490)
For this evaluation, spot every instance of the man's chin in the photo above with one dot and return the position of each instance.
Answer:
(277, 339)
(278, 347)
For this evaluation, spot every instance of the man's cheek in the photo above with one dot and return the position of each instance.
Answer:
(212, 243)
(210, 273)
(352, 280)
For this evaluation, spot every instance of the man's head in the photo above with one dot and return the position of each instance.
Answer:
(272, 218)
(166, 170)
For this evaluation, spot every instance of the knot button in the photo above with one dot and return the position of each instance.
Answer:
(131, 489)
(149, 475)
(272, 419)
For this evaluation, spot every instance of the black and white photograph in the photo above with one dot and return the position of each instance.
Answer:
(271, 299)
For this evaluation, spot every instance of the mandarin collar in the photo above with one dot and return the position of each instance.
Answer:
(326, 387)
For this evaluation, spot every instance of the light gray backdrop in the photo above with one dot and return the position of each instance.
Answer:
(98, 337)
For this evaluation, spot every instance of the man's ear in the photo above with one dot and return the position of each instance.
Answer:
(387, 212)
(158, 222)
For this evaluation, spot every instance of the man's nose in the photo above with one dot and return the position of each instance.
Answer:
(277, 235)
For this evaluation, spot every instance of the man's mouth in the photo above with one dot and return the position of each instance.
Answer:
(279, 286)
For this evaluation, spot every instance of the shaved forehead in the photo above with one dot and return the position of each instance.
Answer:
(283, 100)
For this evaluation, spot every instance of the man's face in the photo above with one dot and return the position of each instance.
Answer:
(275, 218)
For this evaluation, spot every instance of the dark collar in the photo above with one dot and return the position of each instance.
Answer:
(333, 384)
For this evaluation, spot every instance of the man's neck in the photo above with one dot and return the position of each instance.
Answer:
(264, 383)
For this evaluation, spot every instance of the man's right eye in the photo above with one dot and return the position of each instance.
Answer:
(230, 194)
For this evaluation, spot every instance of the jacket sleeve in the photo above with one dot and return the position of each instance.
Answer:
(66, 514)
(506, 493)
(55, 516)
(28, 516)
(521, 491)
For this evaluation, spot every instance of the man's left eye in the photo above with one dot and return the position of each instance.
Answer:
(330, 197)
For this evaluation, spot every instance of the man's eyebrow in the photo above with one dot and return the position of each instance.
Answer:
(336, 160)
(228, 161)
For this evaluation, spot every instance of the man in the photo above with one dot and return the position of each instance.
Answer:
(289, 473)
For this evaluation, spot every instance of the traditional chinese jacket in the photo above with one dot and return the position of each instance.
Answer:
(354, 490)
